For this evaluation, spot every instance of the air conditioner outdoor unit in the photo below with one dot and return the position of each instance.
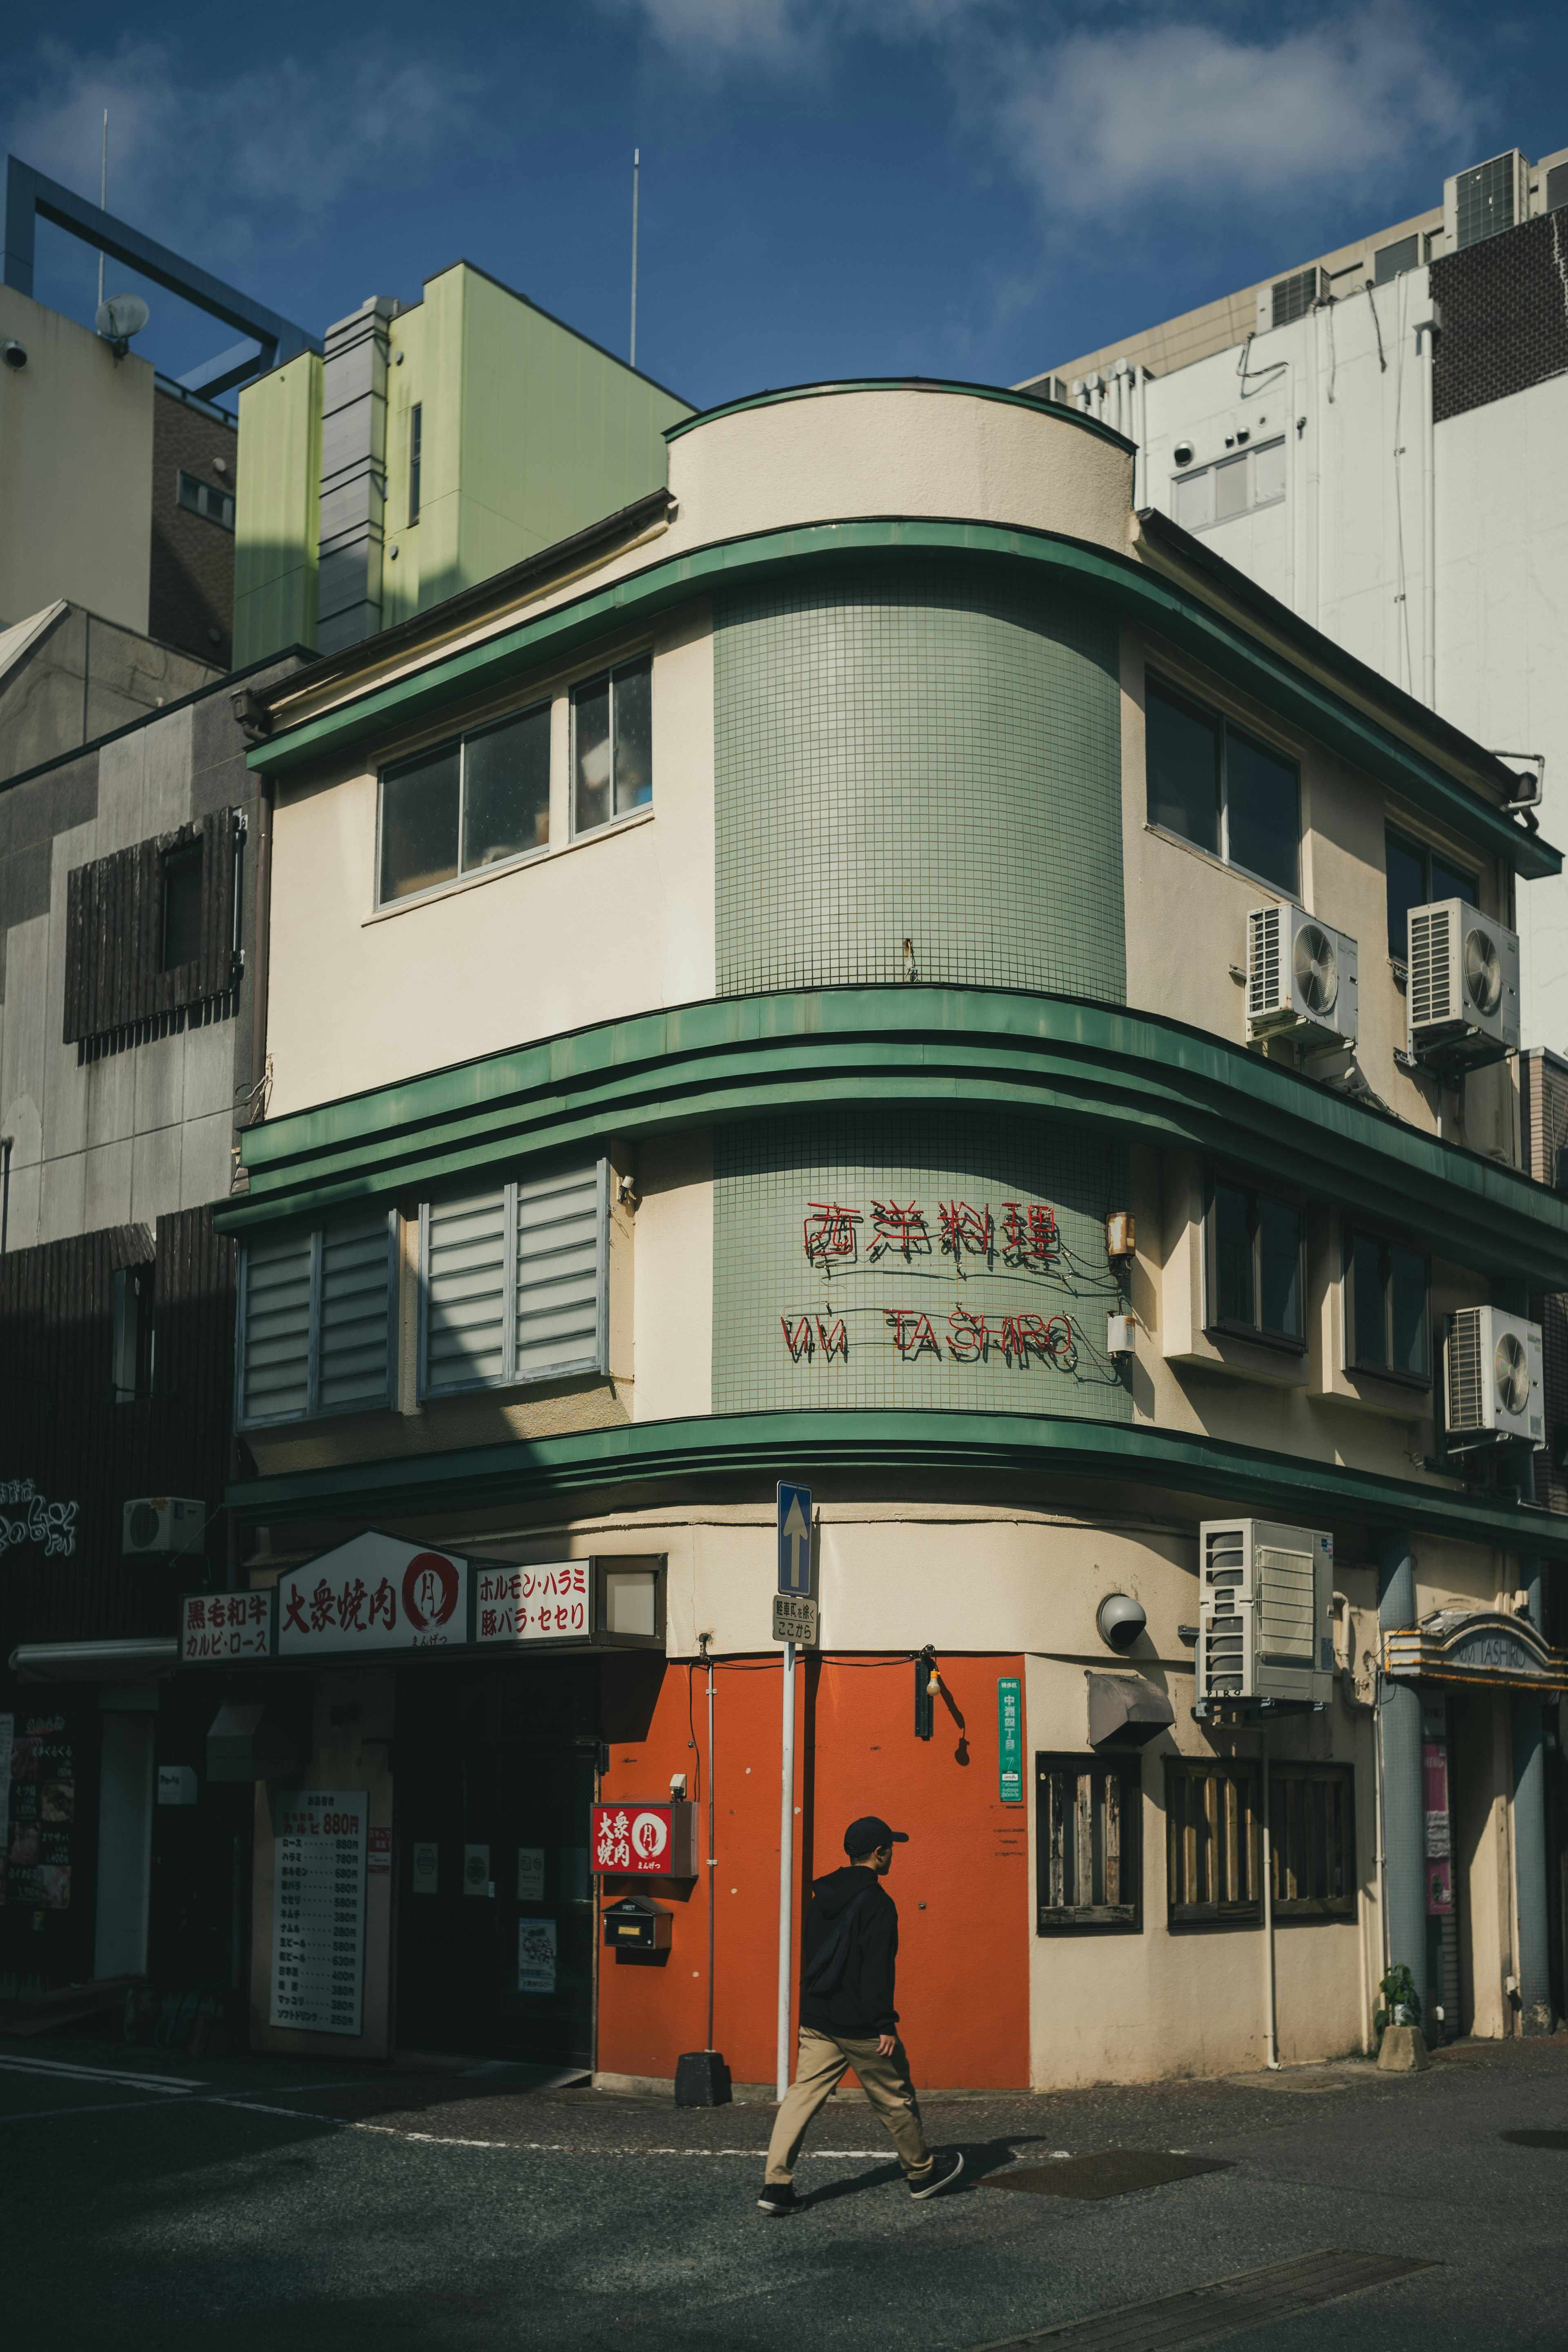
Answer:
(1300, 978)
(1264, 1628)
(1462, 991)
(1494, 1376)
(163, 1525)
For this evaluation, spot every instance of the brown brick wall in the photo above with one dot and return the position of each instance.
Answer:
(1505, 316)
(191, 586)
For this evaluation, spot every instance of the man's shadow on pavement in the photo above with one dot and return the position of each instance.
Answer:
(980, 2156)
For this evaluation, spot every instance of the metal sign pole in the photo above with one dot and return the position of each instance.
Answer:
(786, 1867)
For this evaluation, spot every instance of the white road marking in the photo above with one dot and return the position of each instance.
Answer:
(172, 2084)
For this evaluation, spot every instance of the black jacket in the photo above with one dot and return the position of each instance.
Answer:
(860, 2005)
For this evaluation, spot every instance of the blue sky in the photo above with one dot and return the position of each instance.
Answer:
(976, 188)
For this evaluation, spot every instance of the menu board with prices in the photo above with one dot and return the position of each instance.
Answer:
(318, 1931)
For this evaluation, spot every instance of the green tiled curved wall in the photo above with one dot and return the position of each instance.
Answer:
(896, 1178)
(927, 751)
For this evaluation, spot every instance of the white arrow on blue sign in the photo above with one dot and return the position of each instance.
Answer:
(795, 1539)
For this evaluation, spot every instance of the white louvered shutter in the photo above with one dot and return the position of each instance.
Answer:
(274, 1379)
(354, 1344)
(464, 1290)
(560, 1273)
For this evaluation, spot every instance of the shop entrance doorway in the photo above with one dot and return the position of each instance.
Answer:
(494, 1771)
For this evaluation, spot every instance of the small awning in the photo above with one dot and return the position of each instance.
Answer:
(137, 1660)
(259, 1739)
(1125, 1710)
(1479, 1646)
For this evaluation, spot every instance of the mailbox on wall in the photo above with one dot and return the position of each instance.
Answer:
(636, 1924)
(645, 1840)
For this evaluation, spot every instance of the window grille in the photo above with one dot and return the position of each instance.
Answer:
(1086, 1823)
(317, 1321)
(1311, 1839)
(1294, 297)
(1483, 200)
(515, 1282)
(1212, 1839)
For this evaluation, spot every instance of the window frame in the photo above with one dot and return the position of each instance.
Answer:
(1350, 1359)
(223, 520)
(415, 458)
(187, 857)
(1426, 851)
(465, 874)
(1233, 457)
(578, 687)
(313, 1409)
(569, 1368)
(1228, 1326)
(1124, 1766)
(1185, 1909)
(1212, 713)
(134, 1341)
(1292, 1773)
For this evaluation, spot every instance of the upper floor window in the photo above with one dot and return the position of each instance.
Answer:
(317, 1323)
(1254, 1265)
(1386, 1316)
(1212, 785)
(512, 1282)
(131, 1371)
(612, 745)
(1419, 876)
(1231, 486)
(180, 939)
(465, 806)
(205, 499)
(416, 452)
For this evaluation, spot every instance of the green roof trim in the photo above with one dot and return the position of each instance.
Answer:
(1141, 1078)
(375, 717)
(1001, 392)
(883, 1451)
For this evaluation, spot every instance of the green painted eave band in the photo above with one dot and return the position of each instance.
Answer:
(377, 717)
(894, 1450)
(1141, 1078)
(953, 386)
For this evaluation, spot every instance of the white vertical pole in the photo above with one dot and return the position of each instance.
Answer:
(637, 159)
(786, 1866)
(103, 199)
(1270, 2029)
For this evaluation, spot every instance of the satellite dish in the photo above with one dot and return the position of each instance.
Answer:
(123, 316)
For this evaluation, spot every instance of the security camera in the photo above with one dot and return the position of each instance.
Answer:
(1119, 1619)
(14, 353)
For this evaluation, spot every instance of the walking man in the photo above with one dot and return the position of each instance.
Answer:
(847, 2019)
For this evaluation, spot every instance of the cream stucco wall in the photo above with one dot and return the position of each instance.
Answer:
(76, 470)
(610, 923)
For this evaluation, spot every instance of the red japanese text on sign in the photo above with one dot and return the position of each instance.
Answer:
(635, 1838)
(549, 1603)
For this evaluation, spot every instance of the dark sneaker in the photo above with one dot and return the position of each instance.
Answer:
(945, 2169)
(777, 2198)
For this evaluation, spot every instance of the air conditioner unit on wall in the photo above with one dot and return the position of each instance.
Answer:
(1493, 1370)
(1462, 993)
(1300, 978)
(161, 1525)
(1264, 1599)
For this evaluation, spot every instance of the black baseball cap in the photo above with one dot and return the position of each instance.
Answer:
(866, 1834)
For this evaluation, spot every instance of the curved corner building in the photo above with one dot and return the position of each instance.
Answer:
(881, 967)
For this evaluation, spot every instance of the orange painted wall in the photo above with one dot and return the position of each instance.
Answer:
(963, 1961)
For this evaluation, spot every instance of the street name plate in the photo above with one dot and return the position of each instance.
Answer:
(795, 1620)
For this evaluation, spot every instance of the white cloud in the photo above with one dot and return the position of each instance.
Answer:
(1189, 114)
(190, 162)
(788, 35)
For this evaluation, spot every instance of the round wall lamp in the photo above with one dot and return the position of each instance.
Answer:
(1119, 1619)
(1182, 453)
(14, 353)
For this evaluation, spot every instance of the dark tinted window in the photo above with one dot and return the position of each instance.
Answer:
(1452, 882)
(612, 730)
(1387, 1316)
(506, 790)
(1367, 1337)
(1232, 1257)
(182, 935)
(419, 822)
(1407, 1313)
(1278, 1268)
(1254, 1265)
(1419, 877)
(1183, 768)
(1262, 817)
(633, 737)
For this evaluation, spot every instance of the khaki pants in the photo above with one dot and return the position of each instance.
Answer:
(820, 2065)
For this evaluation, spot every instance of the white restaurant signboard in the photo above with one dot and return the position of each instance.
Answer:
(378, 1593)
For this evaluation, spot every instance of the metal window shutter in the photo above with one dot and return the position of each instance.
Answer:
(355, 1325)
(275, 1372)
(464, 1291)
(559, 1272)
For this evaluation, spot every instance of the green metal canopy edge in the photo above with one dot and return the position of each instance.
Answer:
(951, 386)
(1005, 1448)
(382, 711)
(1139, 1076)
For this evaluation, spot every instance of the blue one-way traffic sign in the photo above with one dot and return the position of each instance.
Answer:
(795, 1539)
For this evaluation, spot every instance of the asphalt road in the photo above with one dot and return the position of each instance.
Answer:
(267, 2203)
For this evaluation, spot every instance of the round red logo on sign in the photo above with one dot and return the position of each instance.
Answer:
(429, 1590)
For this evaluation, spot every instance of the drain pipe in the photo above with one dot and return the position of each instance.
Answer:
(705, 1640)
(1271, 2029)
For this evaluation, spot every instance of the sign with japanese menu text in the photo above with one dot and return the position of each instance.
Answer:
(376, 1592)
(633, 1838)
(218, 1626)
(317, 1910)
(548, 1602)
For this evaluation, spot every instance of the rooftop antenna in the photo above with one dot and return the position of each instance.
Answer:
(103, 202)
(637, 159)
